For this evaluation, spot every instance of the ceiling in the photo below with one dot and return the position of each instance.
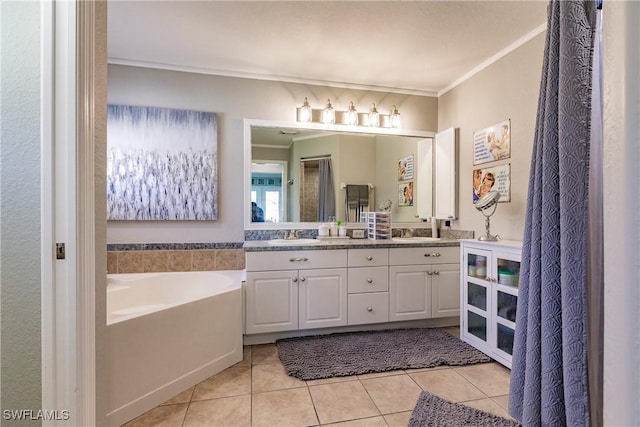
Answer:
(415, 47)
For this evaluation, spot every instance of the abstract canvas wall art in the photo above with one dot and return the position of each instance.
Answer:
(161, 164)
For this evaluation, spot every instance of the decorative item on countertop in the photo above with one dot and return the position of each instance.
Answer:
(379, 225)
(486, 202)
(333, 226)
(323, 230)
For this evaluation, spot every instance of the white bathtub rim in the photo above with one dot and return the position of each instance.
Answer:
(127, 282)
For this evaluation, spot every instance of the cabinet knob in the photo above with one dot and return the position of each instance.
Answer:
(369, 280)
(370, 258)
(427, 255)
(435, 254)
(369, 308)
(302, 279)
(429, 273)
(295, 279)
(436, 273)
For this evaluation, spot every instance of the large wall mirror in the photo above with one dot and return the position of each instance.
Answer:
(297, 175)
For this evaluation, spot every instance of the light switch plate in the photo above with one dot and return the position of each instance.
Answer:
(358, 234)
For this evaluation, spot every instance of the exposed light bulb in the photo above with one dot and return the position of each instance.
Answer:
(352, 115)
(394, 117)
(305, 112)
(329, 114)
(374, 117)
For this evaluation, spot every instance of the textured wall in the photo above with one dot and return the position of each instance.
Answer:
(621, 213)
(507, 89)
(20, 206)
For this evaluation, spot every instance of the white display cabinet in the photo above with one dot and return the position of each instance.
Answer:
(489, 296)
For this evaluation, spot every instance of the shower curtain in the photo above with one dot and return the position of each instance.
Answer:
(549, 381)
(326, 192)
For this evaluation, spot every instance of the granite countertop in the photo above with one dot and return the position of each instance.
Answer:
(264, 245)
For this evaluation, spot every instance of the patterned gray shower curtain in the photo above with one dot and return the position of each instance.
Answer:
(549, 381)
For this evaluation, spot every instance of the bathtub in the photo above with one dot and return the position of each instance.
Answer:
(167, 332)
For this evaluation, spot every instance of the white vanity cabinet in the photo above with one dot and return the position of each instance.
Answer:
(424, 283)
(368, 286)
(289, 290)
(489, 289)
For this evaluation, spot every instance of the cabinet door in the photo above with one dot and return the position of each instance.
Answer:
(409, 292)
(271, 301)
(475, 318)
(445, 290)
(444, 175)
(322, 298)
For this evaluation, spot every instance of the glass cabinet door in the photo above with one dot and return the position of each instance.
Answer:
(508, 270)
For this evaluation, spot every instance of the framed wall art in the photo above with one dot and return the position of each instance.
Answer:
(161, 164)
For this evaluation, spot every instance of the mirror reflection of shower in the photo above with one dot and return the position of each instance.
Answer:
(269, 190)
(317, 195)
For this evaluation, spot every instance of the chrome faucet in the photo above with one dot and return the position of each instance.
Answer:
(293, 234)
(408, 232)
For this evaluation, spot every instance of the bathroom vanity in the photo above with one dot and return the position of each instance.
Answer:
(350, 283)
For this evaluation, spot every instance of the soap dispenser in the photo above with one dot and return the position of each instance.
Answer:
(435, 232)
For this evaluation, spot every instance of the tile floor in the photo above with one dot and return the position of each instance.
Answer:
(258, 392)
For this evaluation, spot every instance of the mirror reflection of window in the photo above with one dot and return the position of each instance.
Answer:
(267, 192)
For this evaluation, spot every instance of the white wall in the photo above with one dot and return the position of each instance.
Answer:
(508, 89)
(622, 213)
(234, 100)
(20, 206)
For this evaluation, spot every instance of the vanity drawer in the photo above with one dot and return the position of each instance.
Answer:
(368, 257)
(368, 279)
(424, 255)
(296, 260)
(368, 308)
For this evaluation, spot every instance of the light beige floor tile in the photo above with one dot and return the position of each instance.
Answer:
(435, 368)
(379, 374)
(447, 384)
(491, 378)
(272, 376)
(246, 358)
(230, 382)
(502, 401)
(362, 422)
(264, 353)
(488, 405)
(225, 411)
(184, 397)
(342, 402)
(332, 380)
(291, 407)
(401, 419)
(161, 416)
(393, 394)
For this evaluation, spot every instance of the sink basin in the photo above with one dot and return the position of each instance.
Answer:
(414, 239)
(294, 242)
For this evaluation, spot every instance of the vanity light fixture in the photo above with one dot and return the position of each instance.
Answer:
(306, 113)
(351, 116)
(374, 117)
(394, 117)
(328, 114)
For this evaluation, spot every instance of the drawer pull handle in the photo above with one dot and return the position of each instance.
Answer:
(427, 255)
(302, 279)
(298, 259)
(295, 279)
(369, 280)
(369, 308)
(370, 258)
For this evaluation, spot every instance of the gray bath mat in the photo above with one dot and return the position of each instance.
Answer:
(351, 353)
(433, 411)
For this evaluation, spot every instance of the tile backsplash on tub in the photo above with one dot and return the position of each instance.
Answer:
(160, 257)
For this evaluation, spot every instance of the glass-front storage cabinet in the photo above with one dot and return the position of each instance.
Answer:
(489, 295)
